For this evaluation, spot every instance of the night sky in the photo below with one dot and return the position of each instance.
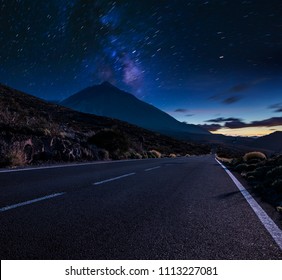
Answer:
(217, 63)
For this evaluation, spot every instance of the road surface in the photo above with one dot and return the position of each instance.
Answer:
(183, 208)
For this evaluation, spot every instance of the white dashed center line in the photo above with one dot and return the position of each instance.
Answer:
(113, 179)
(149, 169)
(6, 208)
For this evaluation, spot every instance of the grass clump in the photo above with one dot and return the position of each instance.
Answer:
(133, 155)
(16, 158)
(257, 156)
(154, 154)
(224, 159)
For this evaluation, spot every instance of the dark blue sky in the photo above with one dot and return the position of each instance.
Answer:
(200, 61)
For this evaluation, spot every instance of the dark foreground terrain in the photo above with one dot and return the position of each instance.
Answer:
(183, 208)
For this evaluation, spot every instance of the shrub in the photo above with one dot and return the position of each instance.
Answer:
(103, 155)
(275, 172)
(279, 160)
(260, 172)
(225, 160)
(127, 155)
(258, 187)
(155, 154)
(251, 178)
(254, 155)
(254, 161)
(144, 155)
(132, 155)
(236, 161)
(17, 158)
(226, 152)
(241, 167)
(251, 167)
(5, 161)
(277, 185)
(137, 156)
(249, 174)
(111, 140)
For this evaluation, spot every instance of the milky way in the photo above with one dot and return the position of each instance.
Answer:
(210, 58)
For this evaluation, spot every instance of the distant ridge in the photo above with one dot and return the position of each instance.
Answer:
(271, 141)
(109, 101)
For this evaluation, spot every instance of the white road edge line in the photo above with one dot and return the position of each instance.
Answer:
(149, 169)
(113, 179)
(30, 201)
(268, 223)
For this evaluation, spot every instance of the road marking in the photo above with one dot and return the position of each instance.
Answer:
(30, 201)
(149, 169)
(113, 179)
(268, 223)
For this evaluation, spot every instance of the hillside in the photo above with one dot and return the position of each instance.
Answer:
(107, 100)
(33, 131)
(272, 142)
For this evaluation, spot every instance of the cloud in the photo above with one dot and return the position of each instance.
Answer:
(237, 123)
(276, 121)
(232, 99)
(239, 88)
(220, 120)
(189, 115)
(277, 107)
(226, 100)
(223, 97)
(181, 110)
(215, 97)
(212, 127)
(234, 90)
(268, 122)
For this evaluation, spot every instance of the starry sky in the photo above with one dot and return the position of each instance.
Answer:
(214, 63)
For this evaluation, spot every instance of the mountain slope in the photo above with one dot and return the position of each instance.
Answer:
(272, 142)
(107, 100)
(34, 131)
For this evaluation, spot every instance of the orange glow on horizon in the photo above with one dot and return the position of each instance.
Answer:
(248, 131)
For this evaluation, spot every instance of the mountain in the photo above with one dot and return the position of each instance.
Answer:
(33, 131)
(272, 142)
(107, 100)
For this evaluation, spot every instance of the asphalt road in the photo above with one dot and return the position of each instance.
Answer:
(184, 208)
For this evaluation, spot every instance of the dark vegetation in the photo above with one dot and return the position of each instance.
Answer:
(263, 174)
(114, 141)
(33, 131)
(224, 151)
